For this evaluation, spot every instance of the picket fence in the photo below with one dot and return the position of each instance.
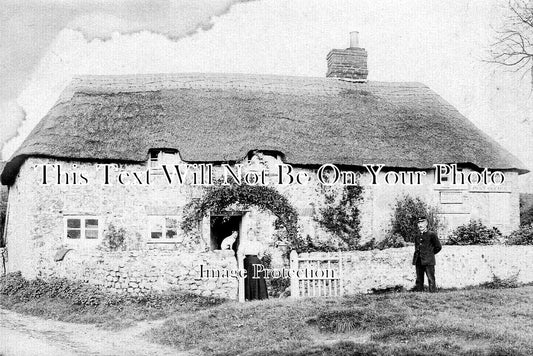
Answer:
(323, 277)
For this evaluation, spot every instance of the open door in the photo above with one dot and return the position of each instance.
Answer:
(240, 256)
(222, 226)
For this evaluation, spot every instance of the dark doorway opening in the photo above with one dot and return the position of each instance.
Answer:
(223, 226)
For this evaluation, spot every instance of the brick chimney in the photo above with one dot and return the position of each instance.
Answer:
(349, 63)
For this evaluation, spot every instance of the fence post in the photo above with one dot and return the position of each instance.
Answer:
(295, 291)
(341, 277)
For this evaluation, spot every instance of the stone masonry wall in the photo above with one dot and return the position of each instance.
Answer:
(457, 267)
(136, 272)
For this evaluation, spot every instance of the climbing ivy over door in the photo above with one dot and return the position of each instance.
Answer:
(219, 197)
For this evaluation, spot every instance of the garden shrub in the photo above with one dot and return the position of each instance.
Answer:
(474, 233)
(526, 209)
(391, 240)
(114, 238)
(367, 246)
(11, 283)
(276, 286)
(407, 210)
(308, 244)
(526, 216)
(501, 283)
(522, 236)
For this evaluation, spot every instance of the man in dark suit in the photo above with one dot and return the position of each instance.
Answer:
(427, 245)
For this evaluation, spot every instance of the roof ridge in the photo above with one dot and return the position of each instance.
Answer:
(237, 81)
(235, 75)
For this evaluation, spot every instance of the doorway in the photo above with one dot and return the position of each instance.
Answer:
(222, 226)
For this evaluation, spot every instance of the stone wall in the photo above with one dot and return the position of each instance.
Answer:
(457, 267)
(136, 272)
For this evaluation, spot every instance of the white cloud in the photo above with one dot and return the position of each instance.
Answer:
(27, 28)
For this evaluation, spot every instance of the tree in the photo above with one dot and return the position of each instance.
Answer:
(514, 42)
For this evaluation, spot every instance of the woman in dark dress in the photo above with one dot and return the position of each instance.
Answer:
(254, 288)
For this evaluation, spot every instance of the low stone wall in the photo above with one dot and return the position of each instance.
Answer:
(138, 272)
(457, 267)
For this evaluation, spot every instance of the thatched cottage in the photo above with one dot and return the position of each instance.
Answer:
(56, 225)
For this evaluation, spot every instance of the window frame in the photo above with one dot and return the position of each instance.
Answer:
(164, 156)
(83, 236)
(446, 197)
(164, 230)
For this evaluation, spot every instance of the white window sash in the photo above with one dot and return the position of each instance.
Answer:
(164, 229)
(163, 157)
(82, 228)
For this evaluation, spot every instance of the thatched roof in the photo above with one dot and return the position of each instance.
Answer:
(216, 118)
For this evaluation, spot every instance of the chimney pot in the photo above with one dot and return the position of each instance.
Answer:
(354, 39)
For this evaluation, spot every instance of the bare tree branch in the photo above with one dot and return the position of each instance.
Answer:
(513, 45)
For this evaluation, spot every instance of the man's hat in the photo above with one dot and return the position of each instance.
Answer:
(421, 218)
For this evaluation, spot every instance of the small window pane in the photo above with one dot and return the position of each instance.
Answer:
(156, 227)
(168, 157)
(451, 197)
(74, 223)
(73, 234)
(156, 224)
(91, 224)
(171, 234)
(172, 223)
(154, 159)
(91, 234)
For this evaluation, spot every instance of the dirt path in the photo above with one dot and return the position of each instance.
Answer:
(22, 335)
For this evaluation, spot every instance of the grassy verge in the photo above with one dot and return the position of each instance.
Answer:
(69, 301)
(486, 321)
(470, 322)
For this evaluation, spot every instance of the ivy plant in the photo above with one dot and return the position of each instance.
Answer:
(219, 197)
(341, 217)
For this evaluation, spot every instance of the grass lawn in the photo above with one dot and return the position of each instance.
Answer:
(476, 321)
(465, 322)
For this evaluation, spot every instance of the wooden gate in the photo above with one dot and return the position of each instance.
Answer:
(317, 276)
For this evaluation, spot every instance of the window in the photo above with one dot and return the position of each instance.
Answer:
(79, 228)
(164, 228)
(159, 157)
(267, 161)
(451, 197)
(154, 159)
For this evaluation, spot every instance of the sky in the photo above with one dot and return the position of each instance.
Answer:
(443, 44)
